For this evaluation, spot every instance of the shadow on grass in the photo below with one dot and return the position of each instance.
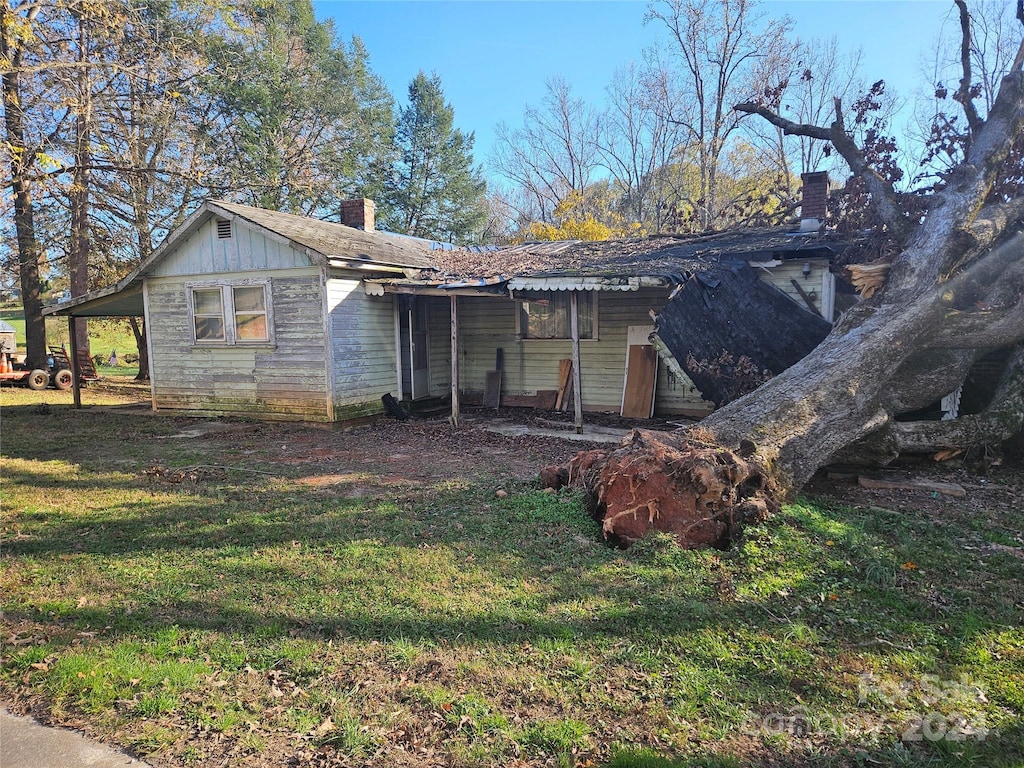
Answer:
(261, 558)
(1000, 750)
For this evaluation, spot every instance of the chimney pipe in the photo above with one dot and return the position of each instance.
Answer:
(813, 200)
(358, 213)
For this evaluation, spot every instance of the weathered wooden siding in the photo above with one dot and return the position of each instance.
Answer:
(362, 333)
(203, 253)
(439, 336)
(281, 380)
(782, 277)
(532, 364)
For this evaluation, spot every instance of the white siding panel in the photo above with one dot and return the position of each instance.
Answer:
(203, 253)
(782, 277)
(283, 381)
(362, 344)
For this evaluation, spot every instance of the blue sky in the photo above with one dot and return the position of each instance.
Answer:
(493, 57)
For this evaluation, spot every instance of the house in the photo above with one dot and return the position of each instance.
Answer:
(259, 313)
(522, 301)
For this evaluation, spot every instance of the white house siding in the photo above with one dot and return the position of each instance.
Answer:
(532, 365)
(282, 380)
(203, 253)
(439, 337)
(818, 284)
(362, 334)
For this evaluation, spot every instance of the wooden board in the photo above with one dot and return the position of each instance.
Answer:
(564, 374)
(948, 489)
(492, 389)
(641, 376)
(546, 399)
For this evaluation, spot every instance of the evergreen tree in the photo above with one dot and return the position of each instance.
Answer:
(298, 120)
(434, 190)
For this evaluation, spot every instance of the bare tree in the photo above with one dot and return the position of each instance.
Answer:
(637, 142)
(802, 87)
(716, 45)
(554, 153)
(24, 146)
(954, 291)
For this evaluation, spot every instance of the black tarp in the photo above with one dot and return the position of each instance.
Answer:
(730, 309)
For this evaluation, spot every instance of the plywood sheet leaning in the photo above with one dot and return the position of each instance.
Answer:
(641, 374)
(492, 382)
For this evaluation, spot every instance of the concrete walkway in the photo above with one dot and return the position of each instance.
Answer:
(24, 743)
(591, 433)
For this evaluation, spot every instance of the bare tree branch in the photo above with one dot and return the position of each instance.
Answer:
(882, 193)
(999, 421)
(963, 94)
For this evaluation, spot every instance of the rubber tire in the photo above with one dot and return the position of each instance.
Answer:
(37, 380)
(63, 379)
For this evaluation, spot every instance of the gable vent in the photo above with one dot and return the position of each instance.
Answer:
(223, 229)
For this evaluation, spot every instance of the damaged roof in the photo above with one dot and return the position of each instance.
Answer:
(662, 255)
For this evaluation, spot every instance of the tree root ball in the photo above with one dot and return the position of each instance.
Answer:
(685, 485)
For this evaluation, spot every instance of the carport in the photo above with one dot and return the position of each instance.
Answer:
(124, 299)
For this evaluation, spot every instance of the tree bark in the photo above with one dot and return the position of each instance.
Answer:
(142, 343)
(29, 251)
(79, 256)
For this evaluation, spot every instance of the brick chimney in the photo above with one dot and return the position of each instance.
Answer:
(358, 213)
(814, 194)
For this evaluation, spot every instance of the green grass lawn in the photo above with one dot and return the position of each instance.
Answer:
(204, 602)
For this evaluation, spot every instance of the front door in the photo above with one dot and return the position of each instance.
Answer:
(415, 348)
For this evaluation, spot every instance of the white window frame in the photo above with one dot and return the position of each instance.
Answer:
(534, 295)
(227, 298)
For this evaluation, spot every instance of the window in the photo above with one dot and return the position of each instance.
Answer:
(231, 314)
(546, 315)
(208, 312)
(250, 313)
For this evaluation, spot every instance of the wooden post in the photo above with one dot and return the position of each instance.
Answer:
(574, 320)
(76, 383)
(397, 315)
(455, 359)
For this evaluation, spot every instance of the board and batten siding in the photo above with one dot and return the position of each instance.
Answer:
(362, 335)
(531, 365)
(281, 380)
(204, 253)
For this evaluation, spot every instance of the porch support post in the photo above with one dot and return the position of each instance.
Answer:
(396, 312)
(574, 320)
(76, 384)
(455, 359)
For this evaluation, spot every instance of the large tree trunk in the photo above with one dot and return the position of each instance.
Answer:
(142, 343)
(80, 240)
(29, 251)
(905, 348)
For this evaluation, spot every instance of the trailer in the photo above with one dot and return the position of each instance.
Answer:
(36, 379)
(58, 372)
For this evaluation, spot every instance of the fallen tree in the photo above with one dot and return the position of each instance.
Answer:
(954, 291)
